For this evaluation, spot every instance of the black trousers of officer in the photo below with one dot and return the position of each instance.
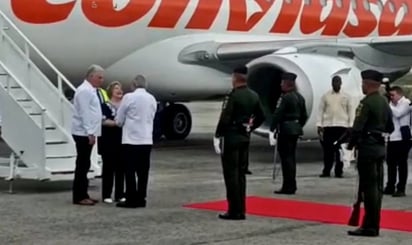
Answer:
(234, 164)
(83, 163)
(137, 159)
(287, 153)
(370, 169)
(397, 161)
(330, 152)
(113, 167)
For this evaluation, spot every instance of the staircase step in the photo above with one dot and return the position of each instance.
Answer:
(52, 134)
(56, 148)
(48, 123)
(59, 156)
(29, 106)
(61, 165)
(18, 93)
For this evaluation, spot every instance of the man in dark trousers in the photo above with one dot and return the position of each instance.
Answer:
(334, 118)
(288, 120)
(136, 115)
(86, 127)
(399, 143)
(373, 120)
(241, 114)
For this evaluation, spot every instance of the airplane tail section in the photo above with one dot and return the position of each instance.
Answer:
(36, 116)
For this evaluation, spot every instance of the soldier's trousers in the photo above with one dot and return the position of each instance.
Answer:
(371, 184)
(234, 164)
(287, 154)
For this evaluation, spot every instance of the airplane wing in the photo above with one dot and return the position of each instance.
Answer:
(226, 55)
(389, 54)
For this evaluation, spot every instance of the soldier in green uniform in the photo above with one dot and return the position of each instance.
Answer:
(288, 120)
(373, 120)
(241, 114)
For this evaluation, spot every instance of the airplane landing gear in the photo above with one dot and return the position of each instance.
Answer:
(174, 121)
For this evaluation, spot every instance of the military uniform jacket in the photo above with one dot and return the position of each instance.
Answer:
(373, 119)
(241, 113)
(290, 115)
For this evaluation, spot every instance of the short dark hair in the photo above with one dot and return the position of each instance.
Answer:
(336, 79)
(397, 89)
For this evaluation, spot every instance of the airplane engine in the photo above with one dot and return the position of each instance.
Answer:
(314, 74)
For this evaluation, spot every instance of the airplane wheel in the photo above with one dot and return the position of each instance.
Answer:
(176, 122)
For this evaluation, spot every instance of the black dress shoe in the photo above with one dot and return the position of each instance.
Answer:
(281, 191)
(131, 205)
(324, 175)
(364, 232)
(228, 216)
(388, 191)
(248, 172)
(338, 175)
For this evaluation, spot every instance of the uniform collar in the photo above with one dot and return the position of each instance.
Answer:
(240, 87)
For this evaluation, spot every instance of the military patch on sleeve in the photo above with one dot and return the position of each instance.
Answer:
(359, 109)
(225, 100)
(279, 102)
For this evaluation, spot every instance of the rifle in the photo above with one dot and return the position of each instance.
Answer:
(355, 215)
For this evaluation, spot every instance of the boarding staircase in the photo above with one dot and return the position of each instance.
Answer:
(36, 116)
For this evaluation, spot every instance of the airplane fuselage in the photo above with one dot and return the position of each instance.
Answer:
(74, 34)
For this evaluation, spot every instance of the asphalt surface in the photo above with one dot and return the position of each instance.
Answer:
(181, 173)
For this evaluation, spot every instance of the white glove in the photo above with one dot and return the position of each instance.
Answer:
(272, 140)
(216, 144)
(346, 156)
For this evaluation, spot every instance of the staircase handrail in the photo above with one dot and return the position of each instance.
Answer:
(60, 76)
(26, 90)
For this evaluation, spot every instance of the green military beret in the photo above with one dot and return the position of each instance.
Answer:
(372, 75)
(240, 70)
(289, 76)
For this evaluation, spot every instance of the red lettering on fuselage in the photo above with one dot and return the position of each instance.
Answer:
(205, 14)
(310, 21)
(170, 12)
(41, 11)
(238, 20)
(366, 22)
(103, 13)
(287, 17)
(387, 21)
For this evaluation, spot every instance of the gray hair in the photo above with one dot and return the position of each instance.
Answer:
(93, 69)
(139, 82)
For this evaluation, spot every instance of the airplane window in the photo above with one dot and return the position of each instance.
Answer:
(288, 1)
(339, 3)
(308, 2)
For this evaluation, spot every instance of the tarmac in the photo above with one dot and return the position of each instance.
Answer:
(184, 172)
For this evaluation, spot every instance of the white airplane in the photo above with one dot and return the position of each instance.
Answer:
(187, 48)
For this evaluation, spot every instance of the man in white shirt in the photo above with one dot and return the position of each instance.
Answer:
(334, 118)
(398, 145)
(136, 115)
(86, 127)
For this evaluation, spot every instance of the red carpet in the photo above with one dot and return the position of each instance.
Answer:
(310, 211)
